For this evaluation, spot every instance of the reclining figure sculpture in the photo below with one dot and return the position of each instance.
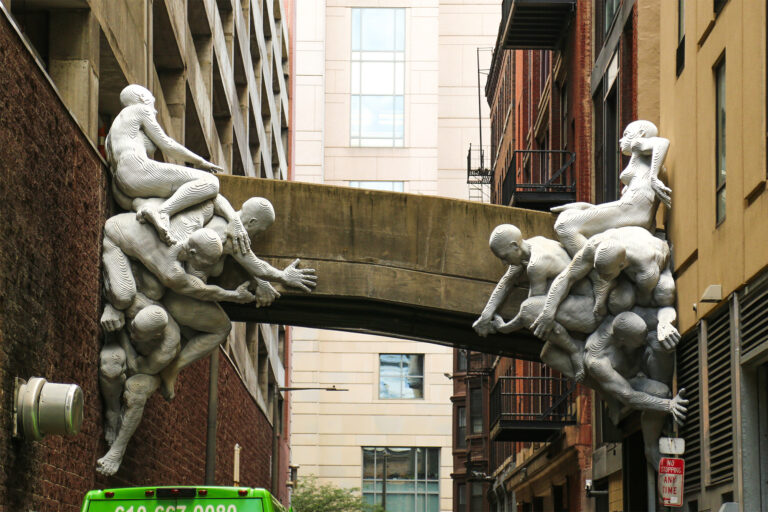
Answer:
(602, 296)
(160, 314)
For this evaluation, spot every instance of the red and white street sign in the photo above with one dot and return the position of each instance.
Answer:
(671, 473)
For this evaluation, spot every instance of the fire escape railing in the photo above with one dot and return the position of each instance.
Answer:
(532, 399)
(539, 171)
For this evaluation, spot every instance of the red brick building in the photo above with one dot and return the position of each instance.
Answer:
(564, 81)
(54, 201)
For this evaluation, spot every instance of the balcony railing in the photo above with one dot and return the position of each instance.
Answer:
(539, 179)
(531, 408)
(535, 24)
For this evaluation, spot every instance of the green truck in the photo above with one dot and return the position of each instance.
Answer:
(182, 499)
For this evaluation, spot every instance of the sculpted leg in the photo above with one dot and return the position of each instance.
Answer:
(119, 282)
(138, 389)
(189, 187)
(111, 382)
(207, 319)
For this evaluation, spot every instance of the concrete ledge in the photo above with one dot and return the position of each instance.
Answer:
(404, 265)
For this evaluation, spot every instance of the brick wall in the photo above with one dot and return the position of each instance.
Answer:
(53, 203)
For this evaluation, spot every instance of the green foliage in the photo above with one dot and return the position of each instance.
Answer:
(312, 496)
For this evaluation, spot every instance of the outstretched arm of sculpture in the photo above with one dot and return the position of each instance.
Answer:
(301, 278)
(235, 229)
(484, 324)
(189, 285)
(167, 145)
(617, 386)
(657, 147)
(577, 269)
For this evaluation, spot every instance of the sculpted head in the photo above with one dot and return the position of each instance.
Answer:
(202, 249)
(507, 244)
(610, 259)
(636, 130)
(257, 214)
(629, 330)
(148, 324)
(135, 94)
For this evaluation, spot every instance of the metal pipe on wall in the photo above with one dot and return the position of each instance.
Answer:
(213, 406)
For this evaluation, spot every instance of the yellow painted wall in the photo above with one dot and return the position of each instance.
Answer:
(615, 492)
(732, 253)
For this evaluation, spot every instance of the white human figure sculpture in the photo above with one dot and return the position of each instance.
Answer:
(149, 342)
(202, 315)
(634, 251)
(539, 260)
(642, 190)
(133, 136)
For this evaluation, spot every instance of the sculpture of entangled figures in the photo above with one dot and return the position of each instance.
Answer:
(160, 314)
(602, 298)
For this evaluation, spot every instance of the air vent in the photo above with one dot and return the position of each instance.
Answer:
(720, 397)
(754, 317)
(688, 377)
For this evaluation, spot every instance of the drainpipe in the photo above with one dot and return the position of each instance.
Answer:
(275, 437)
(213, 405)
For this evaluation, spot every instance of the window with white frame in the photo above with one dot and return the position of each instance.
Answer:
(401, 376)
(378, 77)
(411, 477)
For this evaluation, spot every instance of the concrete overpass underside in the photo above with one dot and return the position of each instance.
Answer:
(401, 265)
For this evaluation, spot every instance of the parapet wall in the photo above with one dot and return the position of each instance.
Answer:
(53, 204)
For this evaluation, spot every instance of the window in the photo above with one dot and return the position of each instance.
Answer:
(720, 142)
(680, 55)
(610, 8)
(402, 479)
(476, 499)
(476, 410)
(401, 376)
(462, 492)
(461, 427)
(378, 77)
(461, 360)
(389, 186)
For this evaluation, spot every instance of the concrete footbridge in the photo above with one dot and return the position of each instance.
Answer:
(402, 265)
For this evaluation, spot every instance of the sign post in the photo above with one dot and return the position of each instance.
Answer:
(671, 474)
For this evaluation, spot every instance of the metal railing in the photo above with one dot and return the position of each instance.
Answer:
(541, 171)
(477, 172)
(533, 399)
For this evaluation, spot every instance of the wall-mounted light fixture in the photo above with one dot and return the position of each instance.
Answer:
(713, 293)
(43, 408)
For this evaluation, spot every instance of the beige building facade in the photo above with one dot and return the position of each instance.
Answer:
(386, 98)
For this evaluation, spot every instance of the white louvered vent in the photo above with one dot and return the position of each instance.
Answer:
(720, 397)
(754, 317)
(688, 373)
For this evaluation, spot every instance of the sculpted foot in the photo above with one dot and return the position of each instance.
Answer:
(161, 221)
(578, 368)
(168, 386)
(110, 463)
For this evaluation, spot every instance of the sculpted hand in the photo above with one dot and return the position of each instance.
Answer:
(265, 293)
(543, 325)
(668, 336)
(210, 167)
(242, 295)
(239, 236)
(662, 192)
(112, 319)
(678, 407)
(483, 326)
(302, 278)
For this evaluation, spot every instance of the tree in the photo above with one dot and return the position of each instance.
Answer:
(312, 496)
